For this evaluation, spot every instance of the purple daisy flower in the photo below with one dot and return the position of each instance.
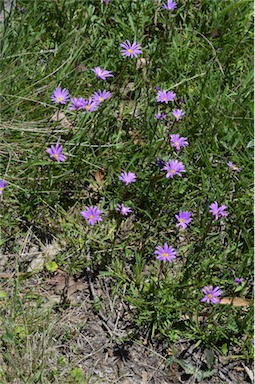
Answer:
(218, 211)
(55, 151)
(178, 114)
(90, 105)
(238, 280)
(178, 142)
(60, 96)
(170, 6)
(165, 96)
(161, 116)
(102, 73)
(234, 167)
(130, 50)
(3, 184)
(184, 218)
(100, 96)
(77, 104)
(211, 294)
(165, 253)
(92, 215)
(127, 178)
(123, 210)
(173, 167)
(157, 88)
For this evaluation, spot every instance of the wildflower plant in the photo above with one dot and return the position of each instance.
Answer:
(234, 167)
(218, 211)
(173, 168)
(55, 152)
(123, 210)
(161, 116)
(183, 218)
(102, 74)
(127, 177)
(170, 127)
(165, 96)
(177, 142)
(92, 215)
(60, 96)
(77, 104)
(170, 5)
(100, 96)
(3, 184)
(130, 49)
(90, 105)
(178, 114)
(239, 280)
(211, 295)
(165, 253)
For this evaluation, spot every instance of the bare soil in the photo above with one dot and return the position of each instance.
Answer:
(90, 330)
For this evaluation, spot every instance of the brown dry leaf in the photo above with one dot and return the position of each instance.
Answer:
(129, 86)
(238, 369)
(58, 281)
(76, 286)
(137, 137)
(235, 301)
(144, 377)
(51, 250)
(249, 372)
(61, 117)
(61, 281)
(52, 300)
(81, 68)
(139, 141)
(11, 275)
(5, 275)
(99, 176)
(37, 264)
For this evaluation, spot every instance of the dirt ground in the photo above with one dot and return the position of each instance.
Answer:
(89, 330)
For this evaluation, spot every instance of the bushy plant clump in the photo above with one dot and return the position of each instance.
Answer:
(126, 133)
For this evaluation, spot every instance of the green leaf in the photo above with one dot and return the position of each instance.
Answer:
(224, 349)
(51, 266)
(77, 374)
(3, 295)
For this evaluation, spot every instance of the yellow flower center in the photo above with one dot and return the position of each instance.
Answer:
(165, 254)
(130, 50)
(101, 98)
(56, 156)
(1, 189)
(178, 115)
(87, 107)
(210, 296)
(165, 99)
(176, 143)
(235, 167)
(182, 220)
(60, 98)
(172, 170)
(91, 216)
